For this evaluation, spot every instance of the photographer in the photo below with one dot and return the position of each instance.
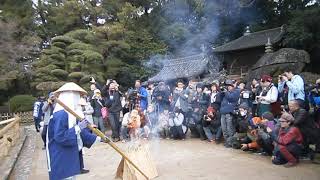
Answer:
(114, 106)
(268, 96)
(179, 98)
(228, 105)
(295, 85)
(161, 97)
(215, 96)
(97, 104)
(142, 95)
(200, 104)
(243, 117)
(212, 125)
(244, 94)
(255, 91)
(176, 126)
(288, 144)
(260, 136)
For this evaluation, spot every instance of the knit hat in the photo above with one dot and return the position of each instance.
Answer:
(266, 78)
(287, 117)
(244, 106)
(268, 115)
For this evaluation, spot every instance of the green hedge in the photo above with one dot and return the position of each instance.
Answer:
(60, 73)
(21, 103)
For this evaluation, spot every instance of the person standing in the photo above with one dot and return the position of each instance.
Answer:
(229, 102)
(97, 104)
(38, 113)
(215, 96)
(113, 103)
(295, 85)
(66, 135)
(268, 96)
(142, 95)
(47, 109)
(179, 98)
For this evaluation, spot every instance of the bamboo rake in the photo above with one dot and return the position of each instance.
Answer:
(103, 137)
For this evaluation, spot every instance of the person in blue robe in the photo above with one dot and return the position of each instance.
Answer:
(66, 136)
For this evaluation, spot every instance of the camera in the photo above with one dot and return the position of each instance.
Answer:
(132, 94)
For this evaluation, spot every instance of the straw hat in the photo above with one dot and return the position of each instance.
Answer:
(70, 86)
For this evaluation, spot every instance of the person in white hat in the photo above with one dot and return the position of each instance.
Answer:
(66, 135)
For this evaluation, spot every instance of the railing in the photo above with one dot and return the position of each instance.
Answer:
(239, 71)
(26, 117)
(9, 134)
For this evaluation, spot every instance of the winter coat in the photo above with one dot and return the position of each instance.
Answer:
(306, 125)
(180, 98)
(177, 120)
(113, 101)
(289, 135)
(214, 123)
(296, 88)
(215, 100)
(229, 101)
(88, 111)
(97, 104)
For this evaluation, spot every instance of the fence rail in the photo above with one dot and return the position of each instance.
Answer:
(26, 117)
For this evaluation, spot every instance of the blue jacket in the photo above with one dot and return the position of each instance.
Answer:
(62, 151)
(296, 88)
(230, 101)
(143, 98)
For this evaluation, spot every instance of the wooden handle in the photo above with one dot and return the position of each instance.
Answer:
(103, 137)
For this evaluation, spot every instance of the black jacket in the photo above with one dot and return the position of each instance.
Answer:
(113, 104)
(306, 125)
(97, 107)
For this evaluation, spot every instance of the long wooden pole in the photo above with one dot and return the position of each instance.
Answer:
(103, 137)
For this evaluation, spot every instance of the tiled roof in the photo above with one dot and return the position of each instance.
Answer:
(182, 68)
(251, 40)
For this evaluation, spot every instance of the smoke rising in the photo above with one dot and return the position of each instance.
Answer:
(195, 26)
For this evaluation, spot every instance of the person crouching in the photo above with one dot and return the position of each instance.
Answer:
(176, 126)
(288, 145)
(134, 124)
(212, 125)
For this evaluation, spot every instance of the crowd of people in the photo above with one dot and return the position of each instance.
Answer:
(278, 119)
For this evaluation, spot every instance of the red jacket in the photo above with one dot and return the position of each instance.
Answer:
(287, 136)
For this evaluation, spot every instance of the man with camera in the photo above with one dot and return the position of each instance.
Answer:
(228, 105)
(114, 106)
(268, 96)
(295, 85)
(142, 95)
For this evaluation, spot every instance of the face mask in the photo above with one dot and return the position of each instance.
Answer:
(243, 113)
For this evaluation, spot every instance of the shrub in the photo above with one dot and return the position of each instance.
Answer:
(59, 44)
(80, 46)
(76, 75)
(92, 57)
(82, 35)
(74, 66)
(21, 103)
(60, 73)
(64, 39)
(85, 79)
(75, 52)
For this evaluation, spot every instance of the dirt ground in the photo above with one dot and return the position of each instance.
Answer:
(185, 160)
